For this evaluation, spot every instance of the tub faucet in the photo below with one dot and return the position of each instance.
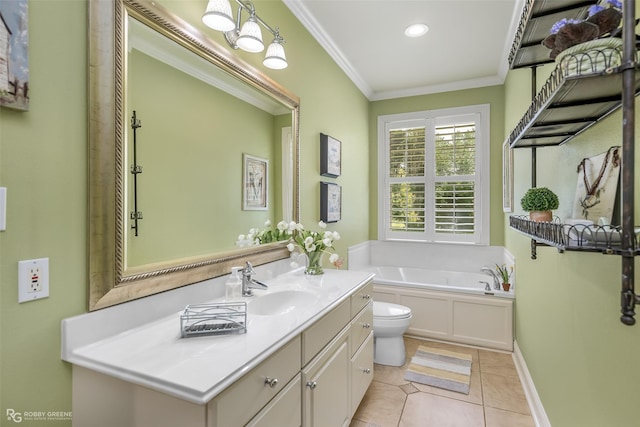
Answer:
(248, 283)
(496, 278)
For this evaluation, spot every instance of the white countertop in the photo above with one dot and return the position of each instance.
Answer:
(197, 369)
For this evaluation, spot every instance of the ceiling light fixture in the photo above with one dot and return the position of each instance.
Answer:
(416, 30)
(247, 36)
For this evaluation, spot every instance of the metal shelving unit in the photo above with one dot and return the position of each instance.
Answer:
(567, 106)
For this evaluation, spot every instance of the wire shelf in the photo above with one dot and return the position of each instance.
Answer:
(576, 237)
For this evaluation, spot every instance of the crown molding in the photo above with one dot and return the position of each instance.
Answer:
(311, 24)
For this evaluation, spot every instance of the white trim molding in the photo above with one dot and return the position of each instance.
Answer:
(535, 404)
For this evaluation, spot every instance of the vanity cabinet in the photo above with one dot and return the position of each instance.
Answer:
(316, 379)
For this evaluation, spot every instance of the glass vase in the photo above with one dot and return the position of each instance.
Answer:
(314, 263)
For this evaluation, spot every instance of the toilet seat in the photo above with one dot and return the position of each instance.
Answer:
(387, 310)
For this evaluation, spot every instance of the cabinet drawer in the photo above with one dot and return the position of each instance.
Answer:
(284, 410)
(361, 372)
(323, 331)
(361, 326)
(244, 398)
(361, 298)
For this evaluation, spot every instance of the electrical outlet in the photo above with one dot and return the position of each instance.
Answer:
(33, 279)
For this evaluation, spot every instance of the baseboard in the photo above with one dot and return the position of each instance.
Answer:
(537, 410)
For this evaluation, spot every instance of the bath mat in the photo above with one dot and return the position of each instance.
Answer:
(440, 368)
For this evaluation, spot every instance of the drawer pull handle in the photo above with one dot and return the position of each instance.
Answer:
(366, 371)
(366, 325)
(366, 296)
(271, 382)
(312, 384)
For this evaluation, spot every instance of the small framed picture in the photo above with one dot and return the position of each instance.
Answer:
(255, 183)
(507, 177)
(330, 156)
(14, 54)
(330, 202)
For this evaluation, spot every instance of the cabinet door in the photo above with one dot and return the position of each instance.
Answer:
(326, 382)
(284, 410)
(361, 372)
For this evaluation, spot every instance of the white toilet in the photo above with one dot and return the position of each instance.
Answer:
(390, 321)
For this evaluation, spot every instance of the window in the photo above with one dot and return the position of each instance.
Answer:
(434, 175)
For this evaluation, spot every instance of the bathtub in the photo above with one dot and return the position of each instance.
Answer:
(447, 305)
(437, 280)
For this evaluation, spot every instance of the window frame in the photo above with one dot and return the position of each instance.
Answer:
(430, 119)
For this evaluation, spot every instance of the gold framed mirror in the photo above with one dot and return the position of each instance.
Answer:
(112, 278)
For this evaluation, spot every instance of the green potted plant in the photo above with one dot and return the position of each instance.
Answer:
(505, 275)
(539, 202)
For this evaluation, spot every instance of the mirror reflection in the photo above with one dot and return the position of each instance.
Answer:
(196, 124)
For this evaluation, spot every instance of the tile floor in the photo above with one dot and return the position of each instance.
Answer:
(496, 397)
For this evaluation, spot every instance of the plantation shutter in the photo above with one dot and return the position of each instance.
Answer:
(454, 186)
(406, 179)
(431, 166)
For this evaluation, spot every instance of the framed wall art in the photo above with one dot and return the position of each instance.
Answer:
(14, 55)
(330, 156)
(507, 177)
(330, 202)
(255, 173)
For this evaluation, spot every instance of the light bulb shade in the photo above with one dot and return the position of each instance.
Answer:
(275, 58)
(218, 15)
(250, 39)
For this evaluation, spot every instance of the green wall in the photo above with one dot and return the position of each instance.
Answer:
(44, 167)
(43, 164)
(582, 359)
(492, 95)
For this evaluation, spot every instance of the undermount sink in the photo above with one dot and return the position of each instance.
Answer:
(281, 302)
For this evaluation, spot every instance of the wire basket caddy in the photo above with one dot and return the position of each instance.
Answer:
(214, 319)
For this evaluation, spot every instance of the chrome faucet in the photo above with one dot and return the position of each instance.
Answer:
(494, 274)
(248, 283)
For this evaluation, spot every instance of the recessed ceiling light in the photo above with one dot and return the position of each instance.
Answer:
(416, 30)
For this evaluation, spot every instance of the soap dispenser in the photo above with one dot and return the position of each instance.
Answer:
(234, 284)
